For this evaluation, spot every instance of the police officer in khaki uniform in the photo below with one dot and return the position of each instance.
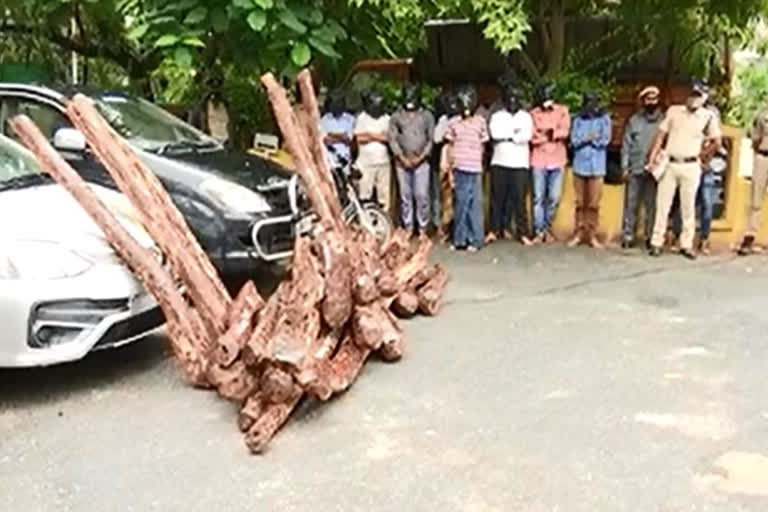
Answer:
(688, 135)
(759, 135)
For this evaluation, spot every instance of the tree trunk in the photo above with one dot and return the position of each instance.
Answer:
(556, 54)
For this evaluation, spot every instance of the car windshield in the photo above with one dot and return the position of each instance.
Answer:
(149, 126)
(18, 167)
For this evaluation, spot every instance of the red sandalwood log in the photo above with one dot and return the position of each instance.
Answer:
(316, 143)
(407, 304)
(337, 304)
(273, 417)
(277, 386)
(235, 383)
(432, 292)
(322, 202)
(250, 412)
(243, 310)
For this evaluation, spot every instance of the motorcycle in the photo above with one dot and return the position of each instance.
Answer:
(366, 213)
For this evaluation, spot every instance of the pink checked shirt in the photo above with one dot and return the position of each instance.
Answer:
(468, 137)
(548, 154)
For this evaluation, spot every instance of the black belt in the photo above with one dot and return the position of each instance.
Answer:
(763, 152)
(683, 160)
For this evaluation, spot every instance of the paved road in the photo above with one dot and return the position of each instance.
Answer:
(553, 381)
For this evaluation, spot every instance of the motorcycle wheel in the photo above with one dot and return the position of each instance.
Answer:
(380, 222)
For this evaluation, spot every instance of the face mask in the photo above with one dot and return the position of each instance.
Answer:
(411, 98)
(375, 106)
(650, 108)
(336, 106)
(696, 102)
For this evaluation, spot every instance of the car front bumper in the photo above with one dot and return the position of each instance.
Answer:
(46, 322)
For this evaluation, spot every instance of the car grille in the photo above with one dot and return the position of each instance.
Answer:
(59, 323)
(132, 328)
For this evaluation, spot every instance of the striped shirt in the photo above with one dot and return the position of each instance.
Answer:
(468, 137)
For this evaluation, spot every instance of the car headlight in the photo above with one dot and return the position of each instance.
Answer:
(40, 260)
(235, 197)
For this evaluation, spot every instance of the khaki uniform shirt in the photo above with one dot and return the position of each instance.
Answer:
(687, 130)
(759, 131)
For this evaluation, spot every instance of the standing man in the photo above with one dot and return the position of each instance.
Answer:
(511, 130)
(590, 137)
(551, 125)
(705, 197)
(692, 135)
(639, 134)
(338, 125)
(759, 135)
(467, 136)
(442, 111)
(372, 136)
(410, 137)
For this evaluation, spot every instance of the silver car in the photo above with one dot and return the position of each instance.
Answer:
(63, 290)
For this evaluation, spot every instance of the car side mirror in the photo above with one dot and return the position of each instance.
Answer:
(69, 139)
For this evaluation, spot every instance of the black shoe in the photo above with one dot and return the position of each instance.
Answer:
(746, 246)
(688, 254)
(626, 244)
(655, 252)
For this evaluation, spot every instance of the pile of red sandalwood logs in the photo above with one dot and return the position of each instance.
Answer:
(313, 335)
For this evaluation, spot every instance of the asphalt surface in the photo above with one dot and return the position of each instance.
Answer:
(553, 380)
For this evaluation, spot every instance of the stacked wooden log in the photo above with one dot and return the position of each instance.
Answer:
(314, 334)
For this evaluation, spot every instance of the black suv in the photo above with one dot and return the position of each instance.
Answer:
(243, 209)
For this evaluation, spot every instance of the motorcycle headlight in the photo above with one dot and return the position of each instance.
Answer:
(40, 260)
(235, 197)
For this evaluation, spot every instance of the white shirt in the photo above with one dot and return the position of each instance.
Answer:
(518, 127)
(372, 153)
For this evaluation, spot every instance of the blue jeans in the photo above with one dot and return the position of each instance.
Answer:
(468, 209)
(414, 186)
(547, 186)
(706, 203)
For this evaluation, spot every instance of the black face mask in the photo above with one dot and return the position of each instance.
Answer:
(591, 105)
(467, 101)
(336, 105)
(513, 100)
(374, 106)
(411, 97)
(546, 94)
(651, 108)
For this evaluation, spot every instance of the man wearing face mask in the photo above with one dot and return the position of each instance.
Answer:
(691, 134)
(467, 136)
(338, 126)
(759, 135)
(640, 189)
(590, 137)
(551, 125)
(410, 138)
(511, 129)
(372, 136)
